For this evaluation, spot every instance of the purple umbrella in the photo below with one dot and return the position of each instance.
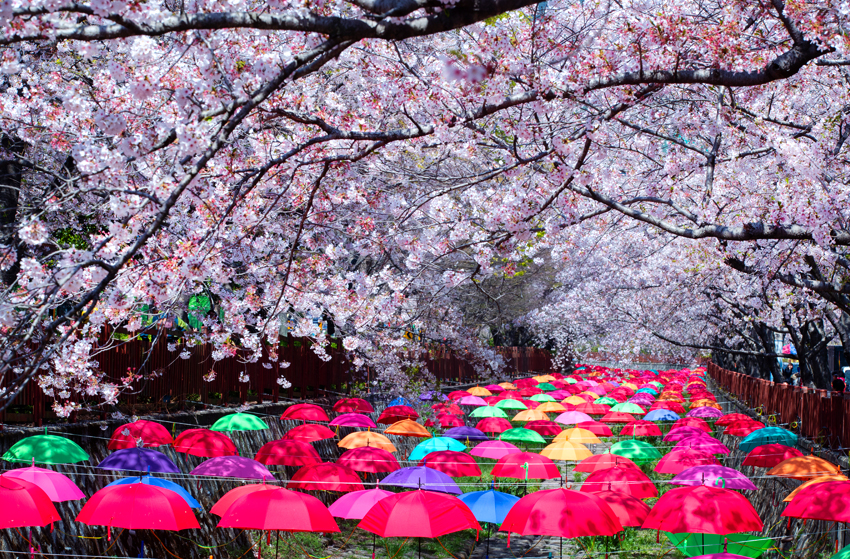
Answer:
(233, 466)
(716, 475)
(681, 433)
(139, 460)
(472, 401)
(703, 443)
(572, 417)
(422, 477)
(432, 395)
(494, 449)
(705, 412)
(466, 434)
(352, 420)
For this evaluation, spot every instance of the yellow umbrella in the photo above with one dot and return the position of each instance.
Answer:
(530, 415)
(543, 378)
(629, 385)
(507, 386)
(553, 407)
(566, 451)
(408, 428)
(479, 391)
(366, 438)
(574, 400)
(577, 435)
(819, 479)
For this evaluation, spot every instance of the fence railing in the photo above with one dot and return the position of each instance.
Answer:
(174, 379)
(819, 415)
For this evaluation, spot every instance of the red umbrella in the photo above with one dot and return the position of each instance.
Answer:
(326, 477)
(458, 394)
(593, 409)
(278, 509)
(617, 417)
(604, 461)
(204, 443)
(493, 425)
(705, 510)
(829, 500)
(561, 512)
(595, 427)
(539, 467)
(423, 514)
(674, 407)
(358, 405)
(138, 506)
(678, 460)
(769, 455)
(221, 506)
(452, 463)
(309, 432)
(640, 428)
(692, 422)
(449, 420)
(24, 504)
(742, 428)
(152, 434)
(730, 417)
(622, 478)
(629, 510)
(288, 452)
(305, 412)
(368, 459)
(544, 427)
(394, 414)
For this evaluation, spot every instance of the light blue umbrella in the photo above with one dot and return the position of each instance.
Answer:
(435, 444)
(165, 484)
(489, 506)
(768, 435)
(661, 415)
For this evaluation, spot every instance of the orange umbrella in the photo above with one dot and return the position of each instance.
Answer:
(575, 400)
(577, 435)
(408, 428)
(479, 391)
(507, 385)
(551, 407)
(705, 404)
(804, 468)
(530, 415)
(366, 438)
(544, 378)
(819, 479)
(566, 451)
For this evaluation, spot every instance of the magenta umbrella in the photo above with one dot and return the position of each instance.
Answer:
(572, 417)
(681, 433)
(703, 443)
(494, 449)
(494, 388)
(472, 401)
(232, 466)
(59, 488)
(719, 476)
(353, 420)
(356, 504)
(705, 412)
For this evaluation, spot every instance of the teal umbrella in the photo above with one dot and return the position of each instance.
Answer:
(638, 452)
(746, 545)
(46, 449)
(768, 435)
(522, 435)
(488, 411)
(572, 381)
(239, 422)
(647, 390)
(511, 405)
(547, 387)
(843, 554)
(435, 444)
(542, 398)
(606, 400)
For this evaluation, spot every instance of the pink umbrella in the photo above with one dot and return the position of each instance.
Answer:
(572, 417)
(232, 466)
(681, 433)
(704, 443)
(472, 401)
(353, 420)
(494, 388)
(494, 449)
(356, 504)
(58, 487)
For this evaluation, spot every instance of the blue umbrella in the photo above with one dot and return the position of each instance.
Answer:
(422, 477)
(400, 401)
(165, 484)
(489, 506)
(139, 460)
(466, 434)
(433, 445)
(661, 415)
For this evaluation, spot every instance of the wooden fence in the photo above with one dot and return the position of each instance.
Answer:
(819, 415)
(175, 379)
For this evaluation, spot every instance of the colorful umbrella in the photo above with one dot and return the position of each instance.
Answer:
(768, 435)
(239, 422)
(704, 412)
(366, 438)
(769, 455)
(703, 443)
(577, 435)
(544, 428)
(353, 420)
(472, 401)
(603, 461)
(452, 463)
(163, 483)
(617, 417)
(369, 459)
(660, 414)
(511, 405)
(304, 412)
(572, 417)
(58, 488)
(279, 509)
(448, 420)
(829, 500)
(489, 411)
(24, 504)
(804, 468)
(466, 434)
(434, 445)
(46, 449)
(326, 477)
(703, 509)
(353, 405)
(356, 504)
(731, 417)
(625, 479)
(422, 514)
(692, 422)
(494, 449)
(566, 451)
(151, 434)
(232, 466)
(742, 428)
(813, 481)
(629, 510)
(639, 451)
(530, 415)
(525, 465)
(309, 432)
(595, 427)
(714, 475)
(422, 477)
(681, 433)
(221, 506)
(138, 506)
(640, 428)
(522, 435)
(744, 546)
(677, 461)
(489, 506)
(139, 460)
(394, 414)
(287, 452)
(408, 428)
(493, 425)
(204, 443)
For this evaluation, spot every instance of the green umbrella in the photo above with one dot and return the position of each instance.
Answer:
(435, 444)
(46, 449)
(488, 411)
(606, 400)
(511, 405)
(542, 398)
(843, 554)
(239, 422)
(547, 386)
(657, 384)
(628, 407)
(692, 545)
(638, 451)
(768, 435)
(522, 435)
(572, 381)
